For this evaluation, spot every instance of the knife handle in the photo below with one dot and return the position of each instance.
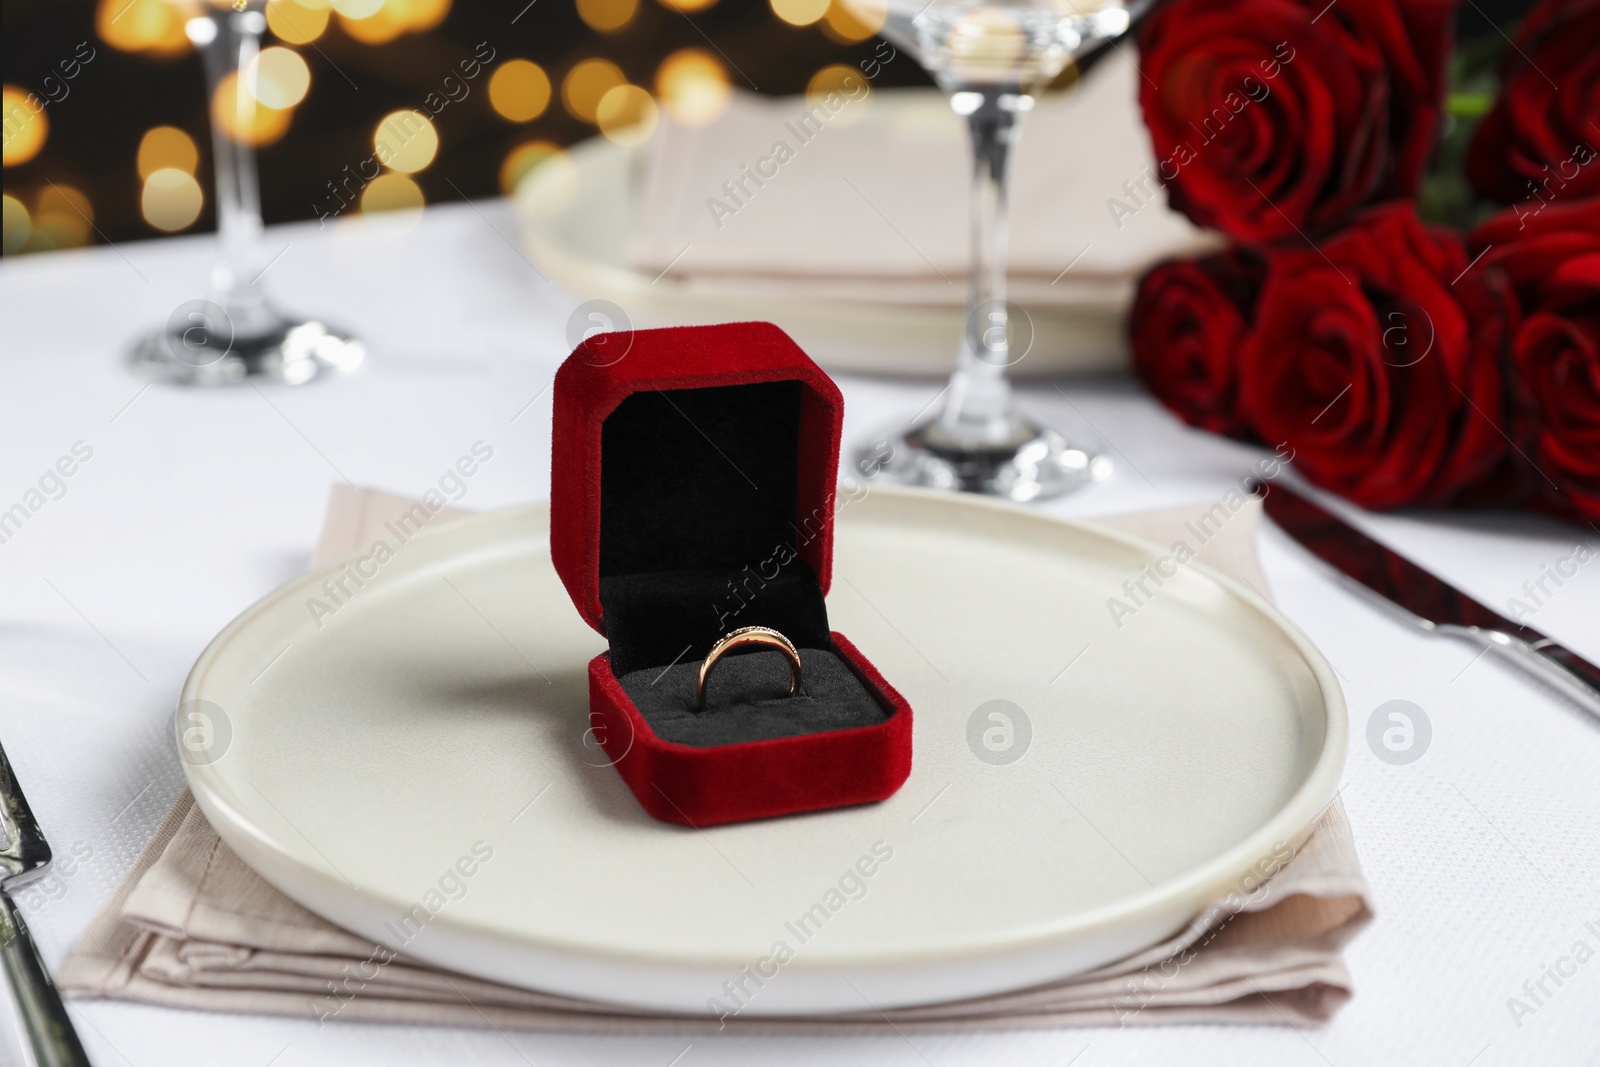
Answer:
(55, 1042)
(1560, 668)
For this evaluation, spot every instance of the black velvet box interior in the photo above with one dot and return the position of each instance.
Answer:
(699, 533)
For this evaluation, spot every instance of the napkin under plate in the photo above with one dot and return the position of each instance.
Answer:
(192, 926)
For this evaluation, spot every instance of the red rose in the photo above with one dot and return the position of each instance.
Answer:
(1376, 358)
(1186, 328)
(1552, 257)
(1272, 117)
(1540, 138)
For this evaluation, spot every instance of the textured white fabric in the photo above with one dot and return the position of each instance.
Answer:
(1484, 855)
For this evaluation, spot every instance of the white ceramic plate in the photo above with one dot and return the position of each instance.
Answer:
(440, 714)
(575, 224)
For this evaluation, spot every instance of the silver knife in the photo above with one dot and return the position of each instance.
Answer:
(1426, 600)
(24, 858)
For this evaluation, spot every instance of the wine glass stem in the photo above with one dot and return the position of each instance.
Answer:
(979, 407)
(229, 41)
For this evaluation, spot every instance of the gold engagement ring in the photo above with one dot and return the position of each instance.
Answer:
(744, 636)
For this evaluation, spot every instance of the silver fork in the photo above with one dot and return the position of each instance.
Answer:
(25, 857)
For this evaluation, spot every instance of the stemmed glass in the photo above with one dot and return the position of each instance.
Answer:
(992, 56)
(236, 334)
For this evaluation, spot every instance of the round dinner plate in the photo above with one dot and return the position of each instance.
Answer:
(416, 767)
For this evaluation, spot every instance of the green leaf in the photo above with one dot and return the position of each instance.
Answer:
(1469, 105)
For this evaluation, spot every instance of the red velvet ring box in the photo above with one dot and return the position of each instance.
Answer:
(692, 493)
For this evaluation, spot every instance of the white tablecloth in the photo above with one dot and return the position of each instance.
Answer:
(1484, 854)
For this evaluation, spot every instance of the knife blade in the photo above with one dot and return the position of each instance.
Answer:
(1424, 599)
(26, 856)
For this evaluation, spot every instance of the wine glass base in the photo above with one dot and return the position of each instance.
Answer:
(1033, 462)
(283, 351)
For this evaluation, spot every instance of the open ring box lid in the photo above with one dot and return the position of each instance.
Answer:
(692, 493)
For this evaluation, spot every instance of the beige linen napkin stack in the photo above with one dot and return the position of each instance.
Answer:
(869, 202)
(191, 926)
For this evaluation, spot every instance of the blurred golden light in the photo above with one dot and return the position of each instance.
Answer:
(799, 12)
(848, 82)
(426, 14)
(551, 169)
(297, 21)
(406, 141)
(62, 218)
(687, 5)
(144, 25)
(171, 200)
(243, 117)
(380, 21)
(26, 128)
(383, 25)
(693, 86)
(278, 77)
(519, 90)
(850, 21)
(627, 115)
(357, 9)
(167, 146)
(586, 83)
(18, 226)
(55, 197)
(522, 159)
(607, 16)
(391, 192)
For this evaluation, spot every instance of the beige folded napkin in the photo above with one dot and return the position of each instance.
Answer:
(191, 926)
(869, 203)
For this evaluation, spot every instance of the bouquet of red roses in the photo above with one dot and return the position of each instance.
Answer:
(1402, 361)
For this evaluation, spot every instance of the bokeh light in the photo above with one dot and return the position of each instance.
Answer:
(357, 9)
(380, 21)
(144, 25)
(425, 14)
(62, 218)
(297, 21)
(554, 172)
(26, 128)
(852, 21)
(519, 90)
(607, 16)
(799, 12)
(18, 224)
(167, 146)
(693, 86)
(391, 192)
(171, 199)
(278, 77)
(381, 26)
(405, 141)
(687, 5)
(522, 159)
(846, 81)
(627, 115)
(586, 83)
(243, 117)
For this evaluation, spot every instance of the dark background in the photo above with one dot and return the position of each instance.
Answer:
(94, 132)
